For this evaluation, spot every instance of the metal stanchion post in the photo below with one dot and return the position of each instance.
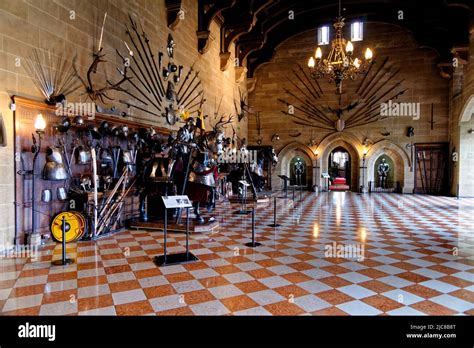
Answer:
(253, 244)
(274, 214)
(187, 233)
(64, 260)
(178, 258)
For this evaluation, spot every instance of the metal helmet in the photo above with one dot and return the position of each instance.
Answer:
(115, 131)
(64, 125)
(94, 132)
(124, 131)
(104, 128)
(78, 120)
(190, 122)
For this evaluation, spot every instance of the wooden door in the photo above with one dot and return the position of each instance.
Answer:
(431, 168)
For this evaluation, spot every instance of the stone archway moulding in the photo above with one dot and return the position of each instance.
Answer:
(398, 155)
(467, 111)
(284, 157)
(330, 143)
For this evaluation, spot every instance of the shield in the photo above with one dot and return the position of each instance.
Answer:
(170, 115)
(340, 125)
(75, 226)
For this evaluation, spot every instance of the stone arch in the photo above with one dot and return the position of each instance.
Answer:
(330, 143)
(465, 165)
(286, 154)
(400, 158)
(467, 111)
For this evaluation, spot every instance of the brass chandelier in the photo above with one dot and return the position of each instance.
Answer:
(340, 64)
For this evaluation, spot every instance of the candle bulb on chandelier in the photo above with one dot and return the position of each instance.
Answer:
(356, 63)
(319, 53)
(311, 62)
(349, 47)
(368, 54)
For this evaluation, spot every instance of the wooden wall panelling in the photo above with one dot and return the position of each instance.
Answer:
(25, 113)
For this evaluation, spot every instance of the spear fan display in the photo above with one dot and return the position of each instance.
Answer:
(376, 87)
(157, 87)
(54, 77)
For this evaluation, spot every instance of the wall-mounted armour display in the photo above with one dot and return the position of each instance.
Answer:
(54, 168)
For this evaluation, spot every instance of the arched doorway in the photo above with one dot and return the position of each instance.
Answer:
(384, 164)
(294, 163)
(285, 160)
(340, 166)
(344, 143)
(401, 168)
(465, 186)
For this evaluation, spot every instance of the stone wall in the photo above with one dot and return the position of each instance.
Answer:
(420, 75)
(461, 124)
(48, 24)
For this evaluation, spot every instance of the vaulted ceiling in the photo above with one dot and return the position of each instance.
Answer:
(257, 27)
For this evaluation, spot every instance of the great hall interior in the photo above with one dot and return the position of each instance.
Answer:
(236, 157)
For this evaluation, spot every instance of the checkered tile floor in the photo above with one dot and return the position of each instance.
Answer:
(416, 257)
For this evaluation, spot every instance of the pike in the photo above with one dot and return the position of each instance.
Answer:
(298, 118)
(385, 83)
(152, 75)
(298, 88)
(359, 113)
(304, 111)
(135, 29)
(308, 79)
(304, 84)
(363, 94)
(190, 93)
(196, 104)
(138, 89)
(130, 53)
(139, 108)
(112, 193)
(106, 220)
(156, 72)
(372, 115)
(316, 110)
(186, 78)
(196, 75)
(377, 80)
(365, 76)
(312, 125)
(151, 88)
(193, 99)
(311, 106)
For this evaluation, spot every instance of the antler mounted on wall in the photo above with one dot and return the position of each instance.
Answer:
(98, 94)
(157, 81)
(241, 106)
(222, 122)
(375, 88)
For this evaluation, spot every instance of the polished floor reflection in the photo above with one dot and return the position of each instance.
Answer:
(334, 254)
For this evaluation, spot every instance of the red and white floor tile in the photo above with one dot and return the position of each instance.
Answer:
(417, 259)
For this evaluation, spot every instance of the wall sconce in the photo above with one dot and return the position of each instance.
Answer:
(365, 152)
(275, 137)
(470, 131)
(40, 126)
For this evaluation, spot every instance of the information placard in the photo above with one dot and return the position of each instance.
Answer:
(176, 202)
